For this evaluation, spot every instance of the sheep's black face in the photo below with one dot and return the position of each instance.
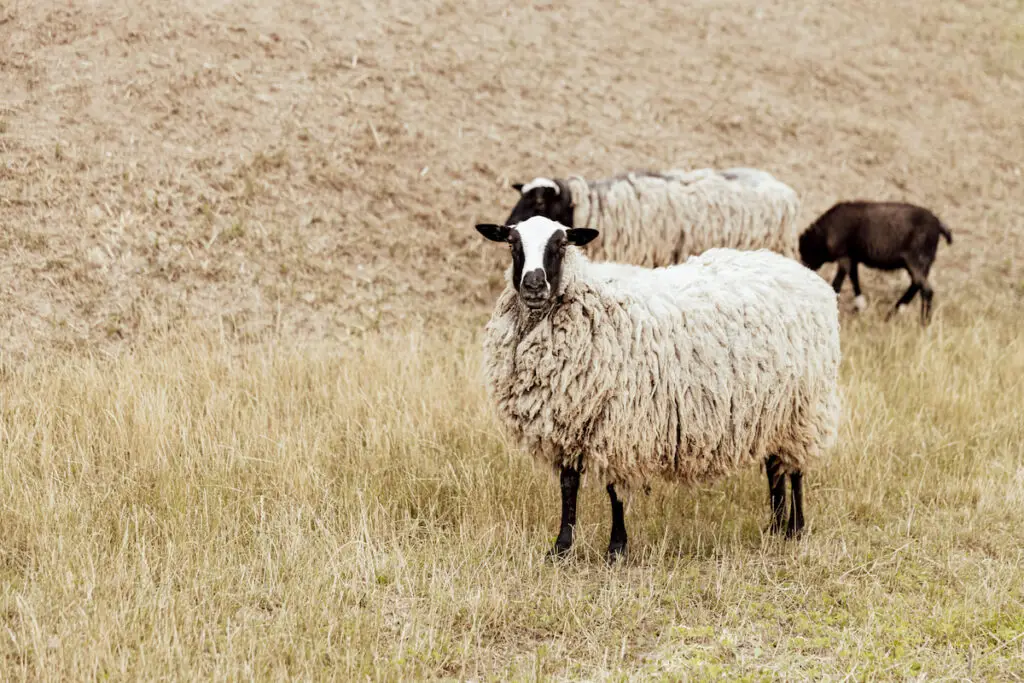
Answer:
(813, 249)
(542, 197)
(538, 246)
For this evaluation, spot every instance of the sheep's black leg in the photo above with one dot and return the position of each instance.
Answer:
(796, 511)
(905, 299)
(859, 302)
(918, 269)
(926, 303)
(570, 481)
(854, 278)
(926, 296)
(777, 490)
(837, 282)
(617, 544)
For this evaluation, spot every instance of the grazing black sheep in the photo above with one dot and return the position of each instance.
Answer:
(882, 235)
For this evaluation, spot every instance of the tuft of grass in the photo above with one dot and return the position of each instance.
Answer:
(236, 231)
(211, 509)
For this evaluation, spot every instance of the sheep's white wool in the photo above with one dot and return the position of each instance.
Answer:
(751, 177)
(535, 235)
(540, 182)
(657, 219)
(686, 373)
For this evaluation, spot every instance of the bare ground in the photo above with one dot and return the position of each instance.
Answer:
(316, 172)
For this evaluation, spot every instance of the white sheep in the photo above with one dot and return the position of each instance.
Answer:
(657, 219)
(686, 372)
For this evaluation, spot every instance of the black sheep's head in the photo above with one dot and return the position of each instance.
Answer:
(542, 197)
(813, 249)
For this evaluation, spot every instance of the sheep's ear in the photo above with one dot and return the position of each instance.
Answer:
(581, 236)
(518, 187)
(495, 233)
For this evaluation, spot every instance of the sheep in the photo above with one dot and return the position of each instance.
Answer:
(882, 235)
(657, 219)
(686, 372)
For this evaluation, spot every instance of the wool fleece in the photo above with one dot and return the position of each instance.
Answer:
(686, 373)
(658, 219)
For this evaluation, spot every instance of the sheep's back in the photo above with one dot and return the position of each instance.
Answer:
(657, 219)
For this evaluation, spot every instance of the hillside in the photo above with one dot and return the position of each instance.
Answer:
(281, 167)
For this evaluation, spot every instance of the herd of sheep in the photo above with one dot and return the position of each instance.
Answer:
(671, 325)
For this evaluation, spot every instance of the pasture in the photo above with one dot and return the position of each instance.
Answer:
(242, 427)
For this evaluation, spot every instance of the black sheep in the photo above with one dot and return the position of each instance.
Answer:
(882, 235)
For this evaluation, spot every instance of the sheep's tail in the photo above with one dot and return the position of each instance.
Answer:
(944, 231)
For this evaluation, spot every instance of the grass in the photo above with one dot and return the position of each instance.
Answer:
(205, 509)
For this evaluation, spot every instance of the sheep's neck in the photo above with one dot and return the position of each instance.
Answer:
(529, 318)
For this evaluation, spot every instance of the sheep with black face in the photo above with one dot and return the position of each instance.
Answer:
(657, 219)
(882, 235)
(685, 373)
(543, 197)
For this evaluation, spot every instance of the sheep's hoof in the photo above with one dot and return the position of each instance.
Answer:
(860, 303)
(616, 553)
(898, 310)
(558, 552)
(795, 527)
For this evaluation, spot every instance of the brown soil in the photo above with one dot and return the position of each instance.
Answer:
(279, 167)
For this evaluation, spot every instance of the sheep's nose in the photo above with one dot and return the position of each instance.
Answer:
(534, 281)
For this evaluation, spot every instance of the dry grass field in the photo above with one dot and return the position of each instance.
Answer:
(242, 429)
